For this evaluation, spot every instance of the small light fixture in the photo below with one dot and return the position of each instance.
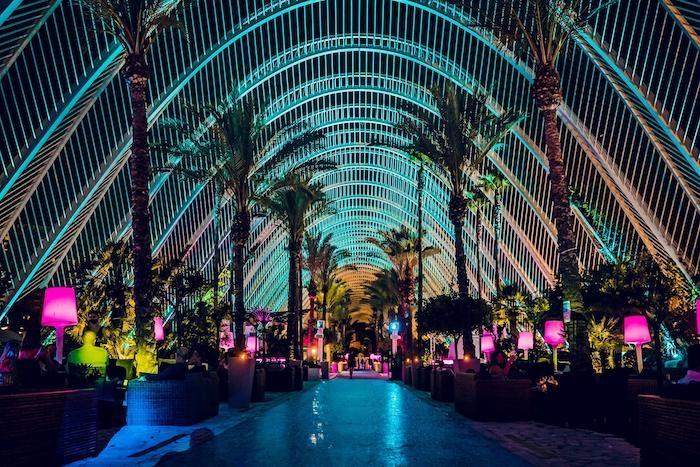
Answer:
(158, 331)
(554, 336)
(488, 344)
(636, 332)
(60, 311)
(526, 342)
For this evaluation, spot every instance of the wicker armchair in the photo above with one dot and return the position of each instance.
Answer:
(173, 402)
(492, 399)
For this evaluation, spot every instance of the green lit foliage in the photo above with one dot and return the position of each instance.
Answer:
(456, 142)
(640, 286)
(5, 282)
(179, 289)
(339, 302)
(453, 316)
(606, 339)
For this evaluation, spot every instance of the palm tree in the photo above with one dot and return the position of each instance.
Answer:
(382, 296)
(236, 155)
(401, 247)
(291, 201)
(339, 298)
(540, 31)
(476, 201)
(136, 24)
(496, 184)
(457, 142)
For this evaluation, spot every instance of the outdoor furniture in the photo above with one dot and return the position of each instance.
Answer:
(492, 399)
(669, 430)
(48, 427)
(442, 384)
(173, 402)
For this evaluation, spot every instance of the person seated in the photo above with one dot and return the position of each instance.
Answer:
(500, 367)
(31, 344)
(693, 373)
(177, 370)
(89, 354)
(194, 363)
(8, 357)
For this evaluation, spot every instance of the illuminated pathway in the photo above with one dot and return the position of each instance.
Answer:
(359, 422)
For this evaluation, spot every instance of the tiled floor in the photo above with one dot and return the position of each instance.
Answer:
(355, 422)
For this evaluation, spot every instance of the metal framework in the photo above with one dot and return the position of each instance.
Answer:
(630, 136)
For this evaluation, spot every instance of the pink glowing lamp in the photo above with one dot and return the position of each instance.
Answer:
(637, 333)
(158, 331)
(488, 344)
(60, 311)
(526, 341)
(554, 336)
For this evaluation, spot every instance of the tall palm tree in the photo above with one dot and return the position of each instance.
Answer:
(291, 201)
(540, 31)
(496, 184)
(339, 298)
(476, 201)
(401, 247)
(236, 155)
(457, 141)
(382, 296)
(327, 271)
(136, 24)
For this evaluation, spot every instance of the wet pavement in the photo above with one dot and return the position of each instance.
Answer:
(351, 422)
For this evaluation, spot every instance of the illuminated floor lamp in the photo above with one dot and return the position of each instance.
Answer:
(554, 336)
(158, 331)
(637, 333)
(488, 344)
(526, 341)
(60, 311)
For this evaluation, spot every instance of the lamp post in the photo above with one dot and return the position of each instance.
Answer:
(60, 311)
(394, 329)
(526, 341)
(554, 336)
(158, 331)
(488, 344)
(636, 332)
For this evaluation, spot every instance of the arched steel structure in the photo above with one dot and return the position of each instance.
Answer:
(630, 138)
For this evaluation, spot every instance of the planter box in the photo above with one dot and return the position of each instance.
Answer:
(48, 428)
(240, 382)
(492, 399)
(421, 379)
(173, 402)
(314, 374)
(279, 379)
(407, 375)
(442, 385)
(258, 394)
(669, 430)
(324, 370)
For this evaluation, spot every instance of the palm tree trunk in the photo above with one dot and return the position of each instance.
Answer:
(497, 227)
(479, 233)
(292, 303)
(240, 231)
(547, 91)
(457, 210)
(136, 74)
(216, 221)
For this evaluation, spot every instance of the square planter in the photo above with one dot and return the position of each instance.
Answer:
(669, 430)
(492, 399)
(240, 382)
(279, 379)
(442, 384)
(314, 374)
(324, 370)
(259, 386)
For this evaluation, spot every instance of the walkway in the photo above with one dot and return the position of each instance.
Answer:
(351, 422)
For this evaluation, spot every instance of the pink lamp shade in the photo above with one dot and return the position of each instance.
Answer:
(526, 340)
(554, 332)
(158, 329)
(60, 311)
(636, 330)
(60, 307)
(487, 343)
